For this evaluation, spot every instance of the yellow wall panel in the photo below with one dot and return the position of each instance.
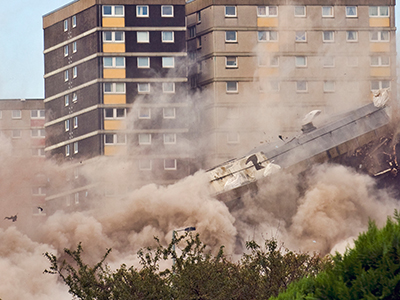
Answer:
(266, 72)
(267, 22)
(379, 22)
(380, 71)
(114, 73)
(113, 22)
(114, 149)
(380, 47)
(114, 47)
(115, 99)
(114, 124)
(268, 47)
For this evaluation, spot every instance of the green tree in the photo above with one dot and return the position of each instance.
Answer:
(370, 270)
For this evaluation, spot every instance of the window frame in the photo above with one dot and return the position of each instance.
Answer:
(74, 47)
(41, 133)
(113, 62)
(75, 122)
(15, 115)
(165, 59)
(268, 35)
(378, 15)
(327, 88)
(115, 139)
(66, 51)
(38, 114)
(144, 116)
(148, 167)
(325, 64)
(113, 39)
(166, 140)
(332, 13)
(66, 100)
(168, 91)
(74, 97)
(73, 21)
(163, 15)
(141, 142)
(380, 62)
(231, 40)
(230, 15)
(75, 72)
(65, 25)
(330, 40)
(114, 113)
(380, 84)
(140, 14)
(301, 90)
(114, 87)
(300, 36)
(298, 63)
(67, 125)
(75, 146)
(347, 36)
(304, 15)
(66, 75)
(229, 89)
(141, 84)
(141, 59)
(170, 168)
(267, 11)
(113, 9)
(143, 40)
(231, 66)
(347, 8)
(379, 35)
(167, 116)
(163, 38)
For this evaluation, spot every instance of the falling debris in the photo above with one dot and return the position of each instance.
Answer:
(13, 218)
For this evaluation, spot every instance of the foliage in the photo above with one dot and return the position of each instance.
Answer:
(371, 270)
(196, 274)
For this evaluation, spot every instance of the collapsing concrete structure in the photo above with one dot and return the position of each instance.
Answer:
(362, 138)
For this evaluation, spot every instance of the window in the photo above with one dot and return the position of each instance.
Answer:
(145, 165)
(67, 150)
(232, 87)
(168, 87)
(328, 36)
(299, 11)
(75, 121)
(74, 48)
(144, 138)
(142, 11)
(75, 72)
(73, 21)
(66, 50)
(114, 113)
(267, 36)
(76, 197)
(38, 191)
(192, 31)
(114, 138)
(274, 61)
(301, 61)
(351, 11)
(380, 61)
(114, 62)
(1, 114)
(113, 36)
(379, 11)
(38, 152)
(169, 112)
(231, 62)
(169, 138)
(230, 11)
(114, 87)
(38, 132)
(74, 97)
(143, 88)
(142, 37)
(232, 138)
(168, 62)
(167, 36)
(37, 114)
(379, 36)
(267, 11)
(66, 125)
(377, 85)
(169, 164)
(230, 36)
(265, 60)
(167, 11)
(113, 10)
(75, 147)
(143, 62)
(16, 133)
(16, 114)
(65, 25)
(327, 11)
(66, 100)
(351, 36)
(66, 75)
(198, 16)
(301, 36)
(329, 86)
(301, 86)
(328, 62)
(144, 113)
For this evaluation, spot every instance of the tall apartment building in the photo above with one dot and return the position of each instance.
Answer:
(22, 136)
(263, 65)
(115, 82)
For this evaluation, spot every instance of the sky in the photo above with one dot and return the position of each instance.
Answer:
(21, 47)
